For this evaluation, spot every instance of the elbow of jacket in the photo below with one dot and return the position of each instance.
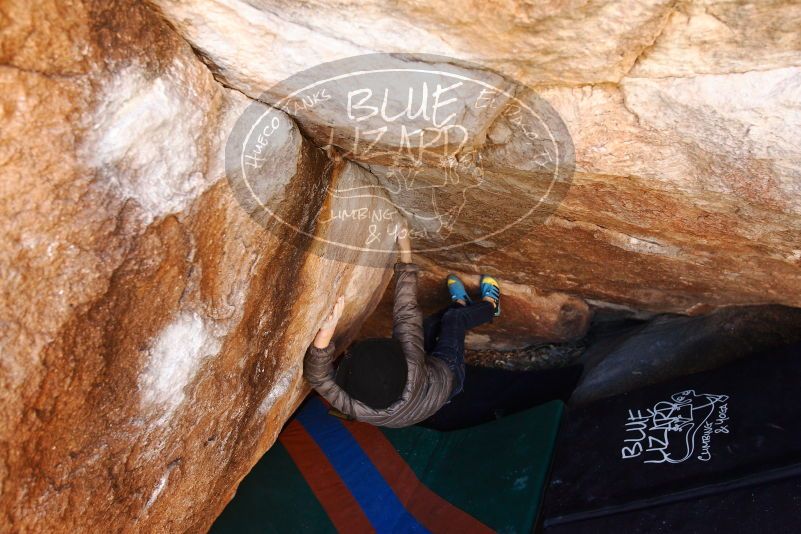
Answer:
(406, 267)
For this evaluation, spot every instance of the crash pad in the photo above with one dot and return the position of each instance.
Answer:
(326, 474)
(701, 443)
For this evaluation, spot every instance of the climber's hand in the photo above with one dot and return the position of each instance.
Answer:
(329, 325)
(405, 244)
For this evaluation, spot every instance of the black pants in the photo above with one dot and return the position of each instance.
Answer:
(490, 393)
(444, 332)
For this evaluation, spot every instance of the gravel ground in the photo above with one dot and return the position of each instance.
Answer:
(541, 356)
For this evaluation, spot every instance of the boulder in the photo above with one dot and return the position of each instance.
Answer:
(686, 194)
(152, 331)
(156, 304)
(622, 357)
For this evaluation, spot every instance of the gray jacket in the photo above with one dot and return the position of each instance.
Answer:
(429, 381)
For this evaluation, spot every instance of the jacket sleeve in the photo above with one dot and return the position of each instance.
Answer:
(318, 368)
(407, 318)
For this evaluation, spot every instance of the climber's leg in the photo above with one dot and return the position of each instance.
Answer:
(431, 326)
(431, 329)
(457, 290)
(491, 292)
(454, 324)
(494, 393)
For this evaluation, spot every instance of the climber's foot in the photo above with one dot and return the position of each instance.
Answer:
(457, 290)
(491, 292)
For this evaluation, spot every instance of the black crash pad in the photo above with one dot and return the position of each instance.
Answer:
(770, 507)
(694, 439)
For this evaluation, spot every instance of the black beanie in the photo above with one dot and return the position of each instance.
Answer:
(373, 371)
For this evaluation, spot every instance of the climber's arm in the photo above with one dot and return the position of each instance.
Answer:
(407, 318)
(318, 365)
(329, 326)
(318, 368)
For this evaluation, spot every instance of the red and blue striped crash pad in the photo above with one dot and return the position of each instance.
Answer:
(325, 474)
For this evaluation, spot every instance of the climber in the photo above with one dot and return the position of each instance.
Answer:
(405, 379)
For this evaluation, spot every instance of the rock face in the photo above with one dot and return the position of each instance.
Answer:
(687, 191)
(634, 356)
(529, 316)
(152, 333)
(152, 326)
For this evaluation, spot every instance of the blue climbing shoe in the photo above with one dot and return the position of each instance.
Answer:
(490, 288)
(456, 289)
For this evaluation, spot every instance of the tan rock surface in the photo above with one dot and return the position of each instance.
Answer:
(152, 333)
(688, 177)
(257, 44)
